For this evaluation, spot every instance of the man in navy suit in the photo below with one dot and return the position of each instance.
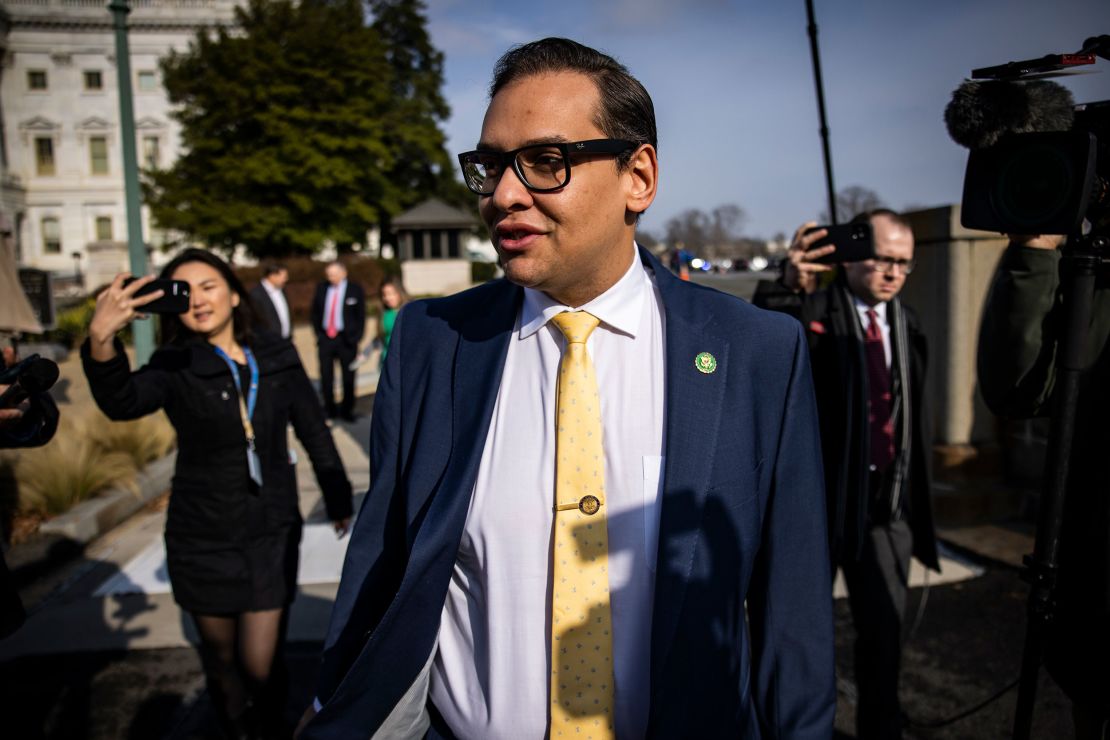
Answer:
(339, 318)
(717, 566)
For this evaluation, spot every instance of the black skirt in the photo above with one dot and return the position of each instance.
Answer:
(227, 578)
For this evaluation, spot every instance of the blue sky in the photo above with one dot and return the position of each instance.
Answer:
(733, 87)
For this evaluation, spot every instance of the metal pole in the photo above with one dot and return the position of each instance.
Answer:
(142, 331)
(830, 190)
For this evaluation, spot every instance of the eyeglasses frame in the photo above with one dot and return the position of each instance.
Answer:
(886, 265)
(590, 146)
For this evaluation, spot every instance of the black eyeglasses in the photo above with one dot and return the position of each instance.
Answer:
(541, 167)
(886, 265)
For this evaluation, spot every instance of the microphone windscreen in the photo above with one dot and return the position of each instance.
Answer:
(980, 113)
(39, 376)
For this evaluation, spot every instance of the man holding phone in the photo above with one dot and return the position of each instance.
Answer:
(868, 357)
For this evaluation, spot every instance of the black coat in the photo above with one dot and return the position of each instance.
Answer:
(840, 379)
(354, 312)
(232, 546)
(264, 309)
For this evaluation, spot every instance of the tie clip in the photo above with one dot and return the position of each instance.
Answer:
(588, 505)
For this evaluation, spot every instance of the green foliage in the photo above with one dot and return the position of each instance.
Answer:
(482, 272)
(296, 128)
(421, 167)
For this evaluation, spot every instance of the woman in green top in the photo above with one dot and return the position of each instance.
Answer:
(393, 296)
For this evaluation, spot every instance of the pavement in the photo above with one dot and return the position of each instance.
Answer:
(106, 653)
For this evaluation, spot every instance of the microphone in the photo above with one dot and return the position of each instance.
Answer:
(982, 112)
(32, 375)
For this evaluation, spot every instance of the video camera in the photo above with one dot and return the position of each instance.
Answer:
(1039, 164)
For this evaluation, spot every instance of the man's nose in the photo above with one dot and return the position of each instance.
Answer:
(510, 193)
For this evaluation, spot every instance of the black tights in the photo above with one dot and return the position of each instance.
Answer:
(244, 670)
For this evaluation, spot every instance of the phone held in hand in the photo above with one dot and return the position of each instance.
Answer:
(853, 243)
(175, 297)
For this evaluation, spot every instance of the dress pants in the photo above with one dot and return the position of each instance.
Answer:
(877, 588)
(330, 351)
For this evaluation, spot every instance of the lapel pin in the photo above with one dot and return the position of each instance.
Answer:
(705, 362)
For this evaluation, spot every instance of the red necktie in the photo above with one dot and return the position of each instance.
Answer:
(879, 395)
(332, 330)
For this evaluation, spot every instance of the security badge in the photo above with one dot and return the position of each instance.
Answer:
(705, 362)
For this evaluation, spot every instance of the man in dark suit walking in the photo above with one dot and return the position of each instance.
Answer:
(339, 319)
(269, 301)
(596, 507)
(868, 354)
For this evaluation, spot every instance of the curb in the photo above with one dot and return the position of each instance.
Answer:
(90, 519)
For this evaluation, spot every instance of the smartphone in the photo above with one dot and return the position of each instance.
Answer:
(853, 243)
(175, 298)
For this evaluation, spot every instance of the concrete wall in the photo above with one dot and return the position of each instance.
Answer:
(435, 277)
(954, 269)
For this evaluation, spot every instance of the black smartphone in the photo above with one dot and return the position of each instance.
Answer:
(853, 243)
(175, 298)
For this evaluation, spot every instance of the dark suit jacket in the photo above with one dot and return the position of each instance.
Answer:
(354, 312)
(840, 377)
(742, 520)
(265, 311)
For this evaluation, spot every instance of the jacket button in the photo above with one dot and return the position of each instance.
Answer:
(224, 395)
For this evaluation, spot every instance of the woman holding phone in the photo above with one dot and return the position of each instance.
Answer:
(233, 525)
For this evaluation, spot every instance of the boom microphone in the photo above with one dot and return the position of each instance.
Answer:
(981, 113)
(33, 375)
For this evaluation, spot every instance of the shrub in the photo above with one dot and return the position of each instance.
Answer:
(143, 440)
(86, 457)
(483, 272)
(70, 469)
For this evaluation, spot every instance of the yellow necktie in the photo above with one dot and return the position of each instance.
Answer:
(581, 627)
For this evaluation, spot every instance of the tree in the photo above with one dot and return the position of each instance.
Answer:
(853, 200)
(689, 230)
(286, 140)
(416, 111)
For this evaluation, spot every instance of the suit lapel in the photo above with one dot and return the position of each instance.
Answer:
(479, 362)
(694, 401)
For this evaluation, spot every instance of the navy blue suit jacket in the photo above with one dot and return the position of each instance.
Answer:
(742, 522)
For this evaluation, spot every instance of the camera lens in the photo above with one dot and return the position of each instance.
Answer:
(1034, 184)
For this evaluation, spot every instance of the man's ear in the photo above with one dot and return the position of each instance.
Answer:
(643, 178)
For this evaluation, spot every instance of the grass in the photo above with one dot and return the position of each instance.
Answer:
(88, 455)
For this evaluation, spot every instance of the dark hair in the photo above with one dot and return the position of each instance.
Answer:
(625, 112)
(272, 268)
(866, 216)
(242, 316)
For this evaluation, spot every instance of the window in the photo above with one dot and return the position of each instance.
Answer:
(36, 79)
(93, 80)
(147, 82)
(98, 155)
(151, 152)
(104, 228)
(51, 236)
(44, 155)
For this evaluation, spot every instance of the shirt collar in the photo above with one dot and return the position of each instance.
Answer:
(619, 307)
(862, 308)
(271, 289)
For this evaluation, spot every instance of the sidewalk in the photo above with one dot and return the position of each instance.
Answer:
(106, 652)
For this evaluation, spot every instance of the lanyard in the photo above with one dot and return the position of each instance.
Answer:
(246, 410)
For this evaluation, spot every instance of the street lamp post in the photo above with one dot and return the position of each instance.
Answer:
(142, 331)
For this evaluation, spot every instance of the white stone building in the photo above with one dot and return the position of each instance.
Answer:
(61, 167)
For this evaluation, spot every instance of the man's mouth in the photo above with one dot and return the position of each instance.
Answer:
(515, 238)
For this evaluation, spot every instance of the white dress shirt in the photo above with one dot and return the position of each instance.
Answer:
(341, 289)
(880, 316)
(277, 297)
(491, 673)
